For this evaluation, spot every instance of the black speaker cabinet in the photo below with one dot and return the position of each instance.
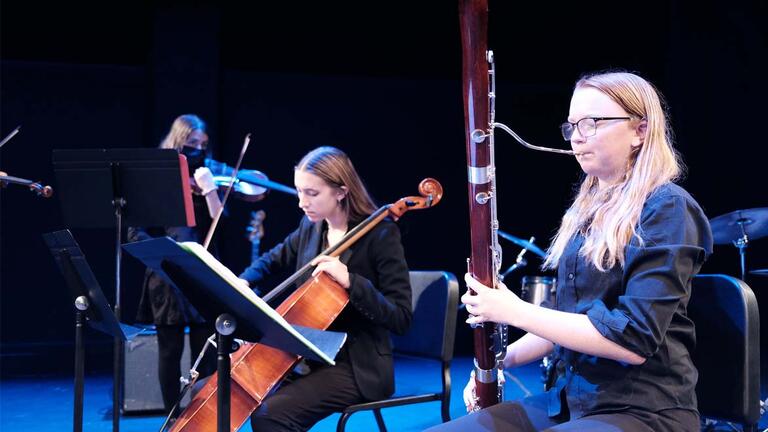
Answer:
(141, 389)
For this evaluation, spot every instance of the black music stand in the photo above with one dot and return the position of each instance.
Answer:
(238, 311)
(90, 304)
(102, 188)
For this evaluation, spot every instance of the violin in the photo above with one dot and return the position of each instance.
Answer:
(39, 189)
(249, 186)
(249, 192)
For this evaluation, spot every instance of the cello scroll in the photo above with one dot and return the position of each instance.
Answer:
(431, 193)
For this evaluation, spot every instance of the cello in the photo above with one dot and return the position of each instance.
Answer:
(257, 368)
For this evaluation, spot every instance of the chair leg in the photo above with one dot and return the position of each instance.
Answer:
(380, 420)
(445, 400)
(445, 410)
(342, 422)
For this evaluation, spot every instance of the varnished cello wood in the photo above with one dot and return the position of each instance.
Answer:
(256, 368)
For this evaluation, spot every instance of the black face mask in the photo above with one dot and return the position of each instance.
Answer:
(195, 158)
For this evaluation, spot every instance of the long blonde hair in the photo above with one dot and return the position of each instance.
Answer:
(335, 168)
(607, 217)
(181, 128)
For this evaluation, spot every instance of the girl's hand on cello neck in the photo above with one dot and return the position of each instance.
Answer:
(333, 267)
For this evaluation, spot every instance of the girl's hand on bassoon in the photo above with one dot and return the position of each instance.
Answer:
(488, 304)
(333, 267)
(470, 399)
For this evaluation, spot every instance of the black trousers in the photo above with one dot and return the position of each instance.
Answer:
(530, 415)
(170, 346)
(302, 401)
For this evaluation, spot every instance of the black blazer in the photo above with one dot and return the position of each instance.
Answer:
(379, 296)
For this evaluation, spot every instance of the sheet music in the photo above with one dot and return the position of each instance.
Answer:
(199, 251)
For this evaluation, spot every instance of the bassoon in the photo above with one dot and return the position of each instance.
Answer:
(489, 338)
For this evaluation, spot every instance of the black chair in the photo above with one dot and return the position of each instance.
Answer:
(727, 355)
(431, 337)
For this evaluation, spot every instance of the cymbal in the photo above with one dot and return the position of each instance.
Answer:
(761, 272)
(525, 244)
(728, 227)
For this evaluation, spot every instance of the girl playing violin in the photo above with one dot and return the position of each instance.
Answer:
(161, 303)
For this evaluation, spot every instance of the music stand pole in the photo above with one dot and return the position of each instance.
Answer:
(90, 304)
(117, 366)
(81, 304)
(125, 186)
(225, 326)
(216, 294)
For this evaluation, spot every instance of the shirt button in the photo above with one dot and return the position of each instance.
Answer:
(570, 276)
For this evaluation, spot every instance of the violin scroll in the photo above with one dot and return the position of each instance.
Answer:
(40, 189)
(43, 191)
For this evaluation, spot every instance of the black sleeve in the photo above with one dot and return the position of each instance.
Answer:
(657, 274)
(388, 302)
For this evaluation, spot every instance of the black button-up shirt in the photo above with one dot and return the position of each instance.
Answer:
(641, 307)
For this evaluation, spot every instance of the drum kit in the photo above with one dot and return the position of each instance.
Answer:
(739, 228)
(535, 289)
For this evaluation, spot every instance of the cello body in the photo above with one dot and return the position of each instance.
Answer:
(258, 368)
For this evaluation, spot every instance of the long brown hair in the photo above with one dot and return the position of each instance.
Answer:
(336, 169)
(608, 217)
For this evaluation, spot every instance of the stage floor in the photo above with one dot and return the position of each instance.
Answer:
(46, 403)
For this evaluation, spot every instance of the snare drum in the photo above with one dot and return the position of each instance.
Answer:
(536, 289)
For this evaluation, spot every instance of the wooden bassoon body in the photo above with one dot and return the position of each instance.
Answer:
(485, 260)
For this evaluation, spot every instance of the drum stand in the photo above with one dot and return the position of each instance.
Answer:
(741, 243)
(738, 228)
(520, 261)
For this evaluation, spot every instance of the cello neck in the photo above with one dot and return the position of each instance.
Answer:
(335, 250)
(431, 193)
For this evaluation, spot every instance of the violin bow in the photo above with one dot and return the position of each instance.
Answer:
(215, 221)
(10, 135)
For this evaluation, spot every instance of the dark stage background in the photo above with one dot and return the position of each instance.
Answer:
(381, 81)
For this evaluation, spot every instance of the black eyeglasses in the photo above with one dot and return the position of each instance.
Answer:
(587, 126)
